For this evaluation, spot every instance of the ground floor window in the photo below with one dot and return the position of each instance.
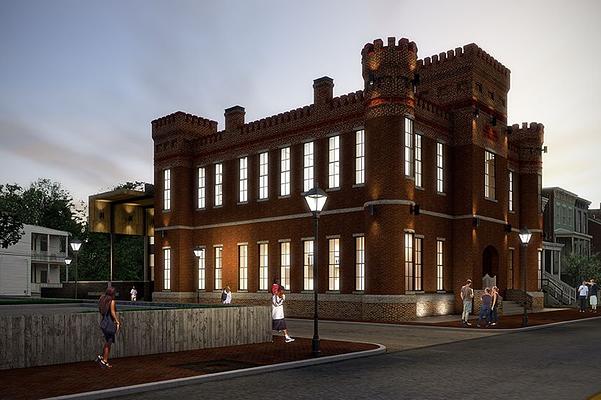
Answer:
(510, 269)
(360, 263)
(263, 266)
(308, 265)
(285, 264)
(334, 264)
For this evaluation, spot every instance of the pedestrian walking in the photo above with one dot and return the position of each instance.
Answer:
(485, 308)
(228, 295)
(582, 295)
(274, 286)
(592, 291)
(133, 293)
(494, 316)
(277, 314)
(109, 324)
(467, 295)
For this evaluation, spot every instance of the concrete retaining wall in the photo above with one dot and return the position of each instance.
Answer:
(34, 340)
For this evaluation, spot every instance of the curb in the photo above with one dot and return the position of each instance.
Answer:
(192, 380)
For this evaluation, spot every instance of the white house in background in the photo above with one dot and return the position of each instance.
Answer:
(34, 262)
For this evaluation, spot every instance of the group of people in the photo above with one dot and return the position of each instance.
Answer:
(488, 310)
(587, 292)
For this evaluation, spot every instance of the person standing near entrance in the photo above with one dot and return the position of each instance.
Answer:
(467, 295)
(485, 309)
(582, 295)
(592, 291)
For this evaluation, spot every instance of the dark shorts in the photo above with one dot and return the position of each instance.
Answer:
(278, 324)
(109, 337)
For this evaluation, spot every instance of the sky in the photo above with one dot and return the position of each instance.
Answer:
(80, 81)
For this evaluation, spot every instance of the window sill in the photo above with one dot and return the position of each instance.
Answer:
(335, 189)
(359, 292)
(166, 211)
(307, 291)
(220, 206)
(286, 196)
(415, 292)
(441, 292)
(241, 203)
(332, 291)
(262, 200)
(491, 200)
(359, 185)
(511, 212)
(420, 188)
(201, 290)
(201, 209)
(441, 193)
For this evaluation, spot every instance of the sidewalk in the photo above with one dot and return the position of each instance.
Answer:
(58, 380)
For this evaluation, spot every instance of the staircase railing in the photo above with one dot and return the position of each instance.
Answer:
(557, 289)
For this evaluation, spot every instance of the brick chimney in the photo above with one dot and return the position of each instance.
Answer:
(323, 90)
(234, 117)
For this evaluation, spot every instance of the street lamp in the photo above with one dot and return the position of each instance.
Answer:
(525, 236)
(316, 199)
(197, 253)
(75, 246)
(67, 263)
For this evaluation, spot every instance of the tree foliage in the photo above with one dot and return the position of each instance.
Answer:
(578, 268)
(11, 223)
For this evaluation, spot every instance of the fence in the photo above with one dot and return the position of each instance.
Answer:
(46, 339)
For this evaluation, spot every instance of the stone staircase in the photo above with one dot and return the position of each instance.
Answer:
(512, 308)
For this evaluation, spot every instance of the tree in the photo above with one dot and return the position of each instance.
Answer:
(11, 223)
(579, 268)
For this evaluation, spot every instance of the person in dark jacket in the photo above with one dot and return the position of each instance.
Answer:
(485, 308)
(109, 324)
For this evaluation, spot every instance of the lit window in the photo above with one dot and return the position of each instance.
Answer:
(418, 264)
(263, 266)
(243, 266)
(167, 189)
(409, 276)
(334, 162)
(202, 187)
(489, 175)
(308, 265)
(408, 147)
(218, 267)
(439, 264)
(202, 270)
(285, 264)
(418, 161)
(285, 171)
(218, 184)
(263, 175)
(360, 157)
(334, 264)
(360, 263)
(413, 262)
(510, 190)
(540, 268)
(510, 269)
(243, 180)
(440, 168)
(308, 166)
(167, 269)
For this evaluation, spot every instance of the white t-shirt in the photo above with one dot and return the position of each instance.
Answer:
(277, 307)
(583, 290)
(228, 298)
(134, 293)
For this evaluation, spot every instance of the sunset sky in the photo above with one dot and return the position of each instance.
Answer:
(80, 81)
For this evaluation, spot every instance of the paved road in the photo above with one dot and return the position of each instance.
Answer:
(559, 362)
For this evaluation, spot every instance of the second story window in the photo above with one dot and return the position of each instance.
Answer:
(263, 175)
(202, 187)
(418, 161)
(440, 167)
(360, 157)
(334, 162)
(285, 171)
(218, 185)
(489, 175)
(167, 189)
(243, 180)
(510, 178)
(308, 160)
(408, 147)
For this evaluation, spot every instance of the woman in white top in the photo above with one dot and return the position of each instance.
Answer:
(277, 314)
(582, 295)
(228, 295)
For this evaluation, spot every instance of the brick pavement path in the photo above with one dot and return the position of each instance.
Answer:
(57, 380)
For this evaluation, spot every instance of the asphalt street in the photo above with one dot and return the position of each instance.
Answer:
(561, 362)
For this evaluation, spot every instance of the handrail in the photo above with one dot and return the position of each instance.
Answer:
(563, 292)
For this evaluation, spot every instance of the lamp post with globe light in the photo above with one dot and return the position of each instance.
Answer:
(75, 246)
(525, 236)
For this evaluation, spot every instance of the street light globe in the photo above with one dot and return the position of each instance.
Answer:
(68, 261)
(525, 235)
(76, 244)
(316, 199)
(198, 251)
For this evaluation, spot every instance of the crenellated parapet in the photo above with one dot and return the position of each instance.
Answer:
(184, 124)
(528, 139)
(460, 53)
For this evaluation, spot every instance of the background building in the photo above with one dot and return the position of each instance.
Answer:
(34, 262)
(594, 229)
(427, 186)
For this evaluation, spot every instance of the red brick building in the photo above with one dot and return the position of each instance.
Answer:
(427, 186)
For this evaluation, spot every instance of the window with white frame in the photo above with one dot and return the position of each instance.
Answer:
(360, 157)
(334, 162)
(440, 264)
(202, 187)
(360, 263)
(243, 266)
(285, 264)
(263, 175)
(418, 161)
(308, 265)
(263, 266)
(202, 272)
(308, 165)
(167, 269)
(218, 267)
(408, 147)
(418, 263)
(489, 175)
(218, 184)
(167, 189)
(440, 187)
(243, 179)
(334, 264)
(409, 275)
(413, 262)
(285, 171)
(510, 269)
(510, 177)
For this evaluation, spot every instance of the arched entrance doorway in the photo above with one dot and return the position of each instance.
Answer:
(490, 262)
